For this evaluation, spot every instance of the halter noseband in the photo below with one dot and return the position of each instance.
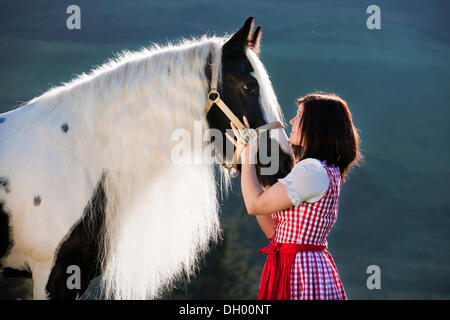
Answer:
(248, 135)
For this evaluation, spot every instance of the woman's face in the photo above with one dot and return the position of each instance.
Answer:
(294, 137)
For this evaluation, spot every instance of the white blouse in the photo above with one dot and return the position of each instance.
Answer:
(308, 181)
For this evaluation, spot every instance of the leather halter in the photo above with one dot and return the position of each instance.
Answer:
(248, 135)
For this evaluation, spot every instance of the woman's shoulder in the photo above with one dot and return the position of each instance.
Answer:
(313, 171)
(312, 165)
(308, 180)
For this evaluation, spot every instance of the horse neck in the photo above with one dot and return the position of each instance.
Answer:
(121, 116)
(135, 108)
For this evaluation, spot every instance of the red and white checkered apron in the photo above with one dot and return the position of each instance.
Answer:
(314, 275)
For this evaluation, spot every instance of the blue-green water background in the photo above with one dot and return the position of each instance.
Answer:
(394, 210)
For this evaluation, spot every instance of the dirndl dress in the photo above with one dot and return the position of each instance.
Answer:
(312, 274)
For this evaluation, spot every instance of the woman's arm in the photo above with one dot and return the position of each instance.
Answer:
(267, 225)
(257, 201)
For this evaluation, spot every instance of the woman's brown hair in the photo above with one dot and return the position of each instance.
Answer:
(327, 132)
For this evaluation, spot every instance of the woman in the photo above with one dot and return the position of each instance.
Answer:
(298, 211)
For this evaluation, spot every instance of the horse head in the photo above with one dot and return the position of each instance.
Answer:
(246, 89)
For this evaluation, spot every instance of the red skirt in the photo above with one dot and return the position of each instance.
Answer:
(275, 277)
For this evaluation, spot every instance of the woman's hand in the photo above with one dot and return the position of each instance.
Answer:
(257, 200)
(248, 155)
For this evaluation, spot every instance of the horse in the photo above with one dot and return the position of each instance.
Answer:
(87, 181)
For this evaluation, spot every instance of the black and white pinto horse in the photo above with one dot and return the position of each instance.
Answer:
(87, 179)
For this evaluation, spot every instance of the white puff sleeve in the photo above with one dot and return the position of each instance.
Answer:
(308, 181)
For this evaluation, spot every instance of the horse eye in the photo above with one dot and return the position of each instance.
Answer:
(249, 89)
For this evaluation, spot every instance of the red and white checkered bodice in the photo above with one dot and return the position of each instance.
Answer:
(310, 223)
(314, 275)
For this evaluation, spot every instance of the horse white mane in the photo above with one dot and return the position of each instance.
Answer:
(159, 215)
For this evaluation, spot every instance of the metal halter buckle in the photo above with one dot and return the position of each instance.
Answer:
(213, 96)
(233, 172)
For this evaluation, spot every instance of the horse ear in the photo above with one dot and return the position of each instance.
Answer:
(256, 38)
(240, 39)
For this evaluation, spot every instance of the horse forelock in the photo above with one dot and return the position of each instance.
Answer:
(268, 99)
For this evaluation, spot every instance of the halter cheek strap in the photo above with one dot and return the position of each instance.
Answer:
(248, 135)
